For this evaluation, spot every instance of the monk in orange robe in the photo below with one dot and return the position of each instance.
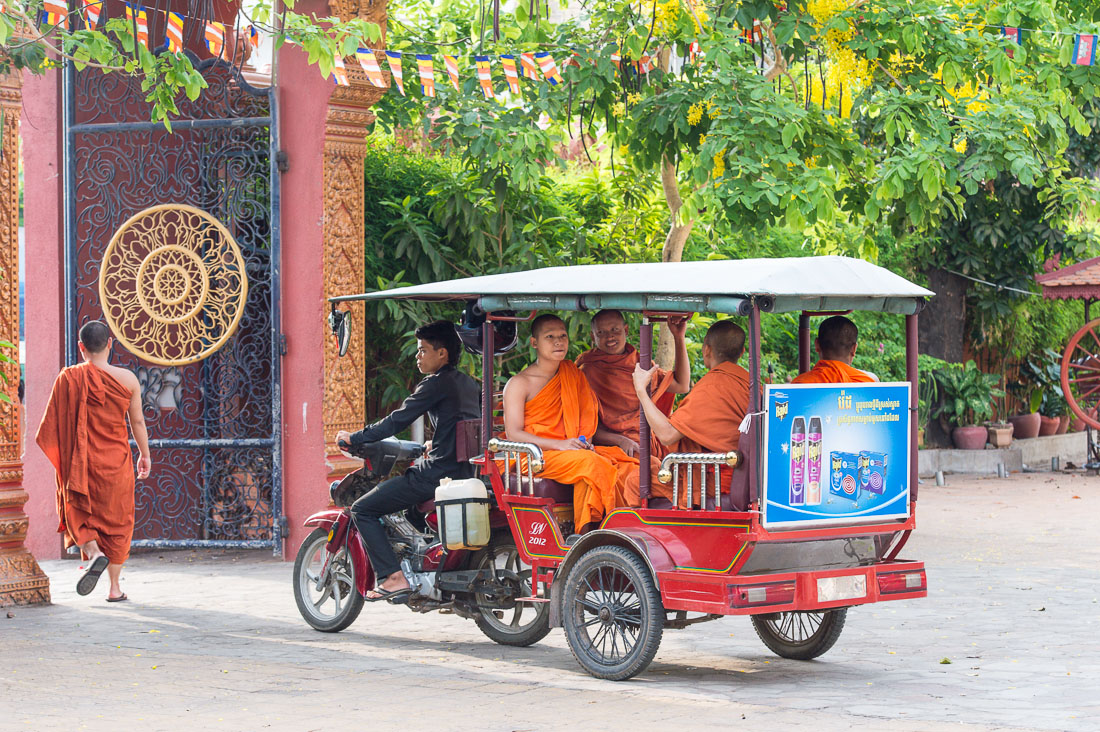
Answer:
(84, 436)
(551, 405)
(609, 368)
(709, 417)
(837, 339)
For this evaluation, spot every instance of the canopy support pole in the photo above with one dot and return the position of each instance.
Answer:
(803, 342)
(754, 357)
(487, 348)
(913, 376)
(645, 358)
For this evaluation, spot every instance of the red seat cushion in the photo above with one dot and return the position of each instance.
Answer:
(553, 490)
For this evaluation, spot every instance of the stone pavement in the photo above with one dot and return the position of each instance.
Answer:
(213, 640)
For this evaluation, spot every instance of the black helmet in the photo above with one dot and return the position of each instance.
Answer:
(505, 333)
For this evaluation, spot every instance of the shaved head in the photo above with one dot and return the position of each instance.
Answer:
(726, 340)
(609, 332)
(94, 336)
(542, 321)
(836, 337)
(609, 316)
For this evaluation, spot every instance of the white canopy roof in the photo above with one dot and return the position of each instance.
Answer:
(787, 284)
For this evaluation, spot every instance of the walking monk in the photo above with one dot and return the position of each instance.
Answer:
(550, 404)
(609, 368)
(836, 343)
(84, 435)
(709, 417)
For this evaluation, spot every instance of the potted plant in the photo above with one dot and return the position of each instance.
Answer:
(1045, 370)
(968, 396)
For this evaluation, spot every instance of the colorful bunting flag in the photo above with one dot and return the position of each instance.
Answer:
(54, 12)
(549, 68)
(370, 65)
(530, 67)
(752, 35)
(254, 36)
(693, 51)
(511, 73)
(427, 74)
(339, 71)
(393, 58)
(485, 76)
(173, 32)
(1016, 35)
(452, 69)
(1084, 49)
(645, 64)
(215, 38)
(91, 10)
(142, 22)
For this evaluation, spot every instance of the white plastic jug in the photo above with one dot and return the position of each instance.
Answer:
(459, 499)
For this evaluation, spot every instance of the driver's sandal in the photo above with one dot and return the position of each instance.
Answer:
(394, 597)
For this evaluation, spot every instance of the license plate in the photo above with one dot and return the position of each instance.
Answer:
(831, 589)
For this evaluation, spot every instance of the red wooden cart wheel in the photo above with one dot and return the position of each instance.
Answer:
(1081, 373)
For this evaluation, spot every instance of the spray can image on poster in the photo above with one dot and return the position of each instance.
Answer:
(798, 461)
(813, 462)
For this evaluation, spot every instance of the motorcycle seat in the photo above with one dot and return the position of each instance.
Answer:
(426, 507)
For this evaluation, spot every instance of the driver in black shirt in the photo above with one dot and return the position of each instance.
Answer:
(447, 396)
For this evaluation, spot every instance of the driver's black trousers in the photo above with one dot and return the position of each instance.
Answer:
(389, 496)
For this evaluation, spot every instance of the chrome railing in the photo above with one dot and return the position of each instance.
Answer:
(670, 470)
(515, 452)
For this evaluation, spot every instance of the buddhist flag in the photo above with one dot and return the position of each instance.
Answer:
(511, 73)
(530, 67)
(370, 65)
(91, 11)
(752, 35)
(1084, 49)
(393, 58)
(693, 51)
(452, 69)
(549, 68)
(173, 32)
(142, 22)
(339, 71)
(54, 12)
(254, 36)
(427, 74)
(485, 76)
(1016, 35)
(645, 64)
(215, 38)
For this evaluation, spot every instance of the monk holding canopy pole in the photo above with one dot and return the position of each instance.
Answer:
(837, 338)
(551, 405)
(609, 368)
(84, 436)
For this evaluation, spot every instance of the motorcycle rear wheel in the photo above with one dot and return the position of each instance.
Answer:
(336, 603)
(523, 624)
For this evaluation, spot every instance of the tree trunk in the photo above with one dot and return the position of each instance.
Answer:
(943, 320)
(673, 250)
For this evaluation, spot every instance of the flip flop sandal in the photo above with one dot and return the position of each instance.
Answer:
(120, 598)
(88, 582)
(396, 597)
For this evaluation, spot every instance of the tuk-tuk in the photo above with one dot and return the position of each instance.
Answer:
(824, 482)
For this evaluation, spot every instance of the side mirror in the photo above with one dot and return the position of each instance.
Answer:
(339, 321)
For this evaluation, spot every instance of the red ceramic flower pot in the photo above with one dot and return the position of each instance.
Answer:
(1025, 426)
(1047, 426)
(969, 438)
(1063, 425)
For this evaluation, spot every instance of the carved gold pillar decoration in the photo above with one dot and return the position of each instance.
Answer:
(21, 580)
(345, 146)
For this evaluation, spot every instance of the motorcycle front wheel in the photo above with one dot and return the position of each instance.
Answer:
(331, 603)
(518, 624)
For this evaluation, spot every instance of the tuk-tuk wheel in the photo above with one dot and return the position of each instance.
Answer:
(612, 613)
(800, 635)
(521, 623)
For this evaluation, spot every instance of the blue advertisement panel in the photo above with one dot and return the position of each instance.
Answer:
(836, 453)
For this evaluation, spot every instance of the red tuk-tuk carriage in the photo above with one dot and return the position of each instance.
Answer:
(813, 522)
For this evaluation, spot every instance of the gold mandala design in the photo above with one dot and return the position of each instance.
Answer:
(172, 285)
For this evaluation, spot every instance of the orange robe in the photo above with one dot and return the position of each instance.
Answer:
(602, 477)
(85, 436)
(611, 377)
(832, 372)
(709, 418)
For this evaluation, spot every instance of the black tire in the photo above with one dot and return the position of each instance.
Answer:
(611, 599)
(522, 623)
(800, 635)
(338, 591)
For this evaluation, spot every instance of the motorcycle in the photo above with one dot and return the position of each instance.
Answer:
(491, 585)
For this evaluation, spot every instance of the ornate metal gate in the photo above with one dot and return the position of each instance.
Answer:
(214, 424)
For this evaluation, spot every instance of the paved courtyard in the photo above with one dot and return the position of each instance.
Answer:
(1009, 638)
